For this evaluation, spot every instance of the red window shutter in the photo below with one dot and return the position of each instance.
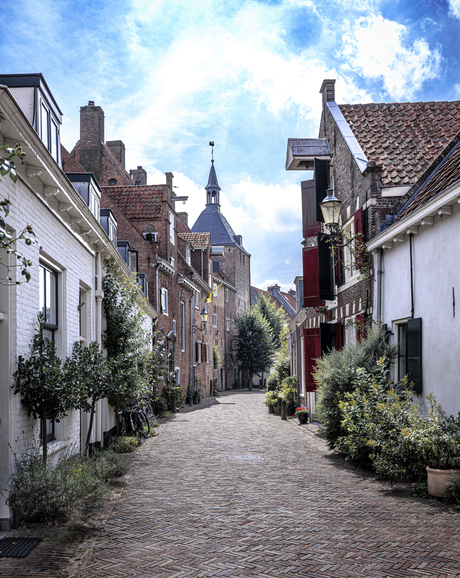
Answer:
(312, 347)
(358, 218)
(360, 326)
(310, 225)
(310, 277)
(338, 335)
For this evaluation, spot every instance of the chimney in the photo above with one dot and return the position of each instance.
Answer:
(183, 217)
(139, 176)
(169, 181)
(328, 91)
(91, 138)
(117, 148)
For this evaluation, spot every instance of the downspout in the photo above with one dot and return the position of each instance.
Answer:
(157, 266)
(99, 425)
(411, 278)
(379, 284)
(225, 341)
(192, 311)
(201, 273)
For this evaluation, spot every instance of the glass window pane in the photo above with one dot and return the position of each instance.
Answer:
(44, 125)
(41, 277)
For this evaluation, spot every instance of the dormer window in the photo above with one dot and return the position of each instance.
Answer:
(150, 233)
(88, 190)
(109, 224)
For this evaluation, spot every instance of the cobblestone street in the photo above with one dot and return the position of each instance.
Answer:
(230, 490)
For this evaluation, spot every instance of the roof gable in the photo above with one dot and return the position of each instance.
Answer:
(403, 137)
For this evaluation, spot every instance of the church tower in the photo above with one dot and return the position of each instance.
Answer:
(212, 188)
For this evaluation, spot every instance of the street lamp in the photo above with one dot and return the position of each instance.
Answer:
(330, 207)
(204, 318)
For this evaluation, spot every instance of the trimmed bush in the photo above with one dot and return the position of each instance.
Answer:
(124, 444)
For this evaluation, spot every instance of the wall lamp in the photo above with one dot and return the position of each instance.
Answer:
(204, 318)
(330, 207)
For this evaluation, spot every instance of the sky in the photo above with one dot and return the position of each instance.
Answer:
(173, 75)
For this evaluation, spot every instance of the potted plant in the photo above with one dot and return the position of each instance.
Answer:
(271, 399)
(437, 441)
(190, 394)
(289, 394)
(302, 414)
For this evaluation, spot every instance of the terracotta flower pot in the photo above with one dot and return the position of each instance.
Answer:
(438, 480)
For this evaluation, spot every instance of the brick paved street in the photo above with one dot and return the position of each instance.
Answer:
(230, 490)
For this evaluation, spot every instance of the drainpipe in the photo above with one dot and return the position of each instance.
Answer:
(379, 284)
(224, 385)
(157, 266)
(192, 311)
(98, 427)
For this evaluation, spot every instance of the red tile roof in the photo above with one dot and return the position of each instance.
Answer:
(197, 240)
(69, 164)
(445, 175)
(138, 201)
(403, 137)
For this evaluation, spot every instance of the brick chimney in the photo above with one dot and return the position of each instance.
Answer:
(117, 148)
(328, 91)
(91, 138)
(169, 183)
(139, 176)
(183, 217)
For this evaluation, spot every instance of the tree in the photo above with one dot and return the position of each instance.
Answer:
(88, 369)
(45, 392)
(124, 339)
(253, 342)
(275, 318)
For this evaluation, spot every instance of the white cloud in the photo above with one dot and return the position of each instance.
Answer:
(380, 49)
(454, 8)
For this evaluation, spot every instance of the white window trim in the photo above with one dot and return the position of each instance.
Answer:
(164, 299)
(198, 360)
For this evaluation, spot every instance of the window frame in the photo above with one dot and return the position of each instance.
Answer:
(182, 326)
(164, 300)
(49, 326)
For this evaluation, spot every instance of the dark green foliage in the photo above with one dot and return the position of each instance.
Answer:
(125, 341)
(88, 370)
(253, 341)
(42, 492)
(375, 416)
(275, 318)
(281, 369)
(45, 391)
(335, 374)
(124, 444)
(289, 390)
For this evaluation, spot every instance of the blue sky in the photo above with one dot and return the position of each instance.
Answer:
(171, 75)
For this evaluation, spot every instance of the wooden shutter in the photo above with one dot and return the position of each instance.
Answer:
(358, 218)
(338, 269)
(414, 353)
(312, 349)
(310, 277)
(360, 326)
(203, 353)
(321, 185)
(326, 288)
(338, 335)
(310, 225)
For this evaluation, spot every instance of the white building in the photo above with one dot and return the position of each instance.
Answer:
(66, 271)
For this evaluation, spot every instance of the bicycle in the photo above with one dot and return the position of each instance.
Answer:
(132, 423)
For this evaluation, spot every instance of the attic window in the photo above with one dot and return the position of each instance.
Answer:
(112, 182)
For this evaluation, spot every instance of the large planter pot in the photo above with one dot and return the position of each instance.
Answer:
(271, 409)
(195, 398)
(303, 418)
(190, 400)
(283, 410)
(439, 479)
(290, 410)
(172, 404)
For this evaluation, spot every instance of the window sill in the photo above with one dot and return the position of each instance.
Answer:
(56, 446)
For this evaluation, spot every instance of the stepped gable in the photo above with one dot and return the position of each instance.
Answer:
(403, 137)
(138, 201)
(445, 175)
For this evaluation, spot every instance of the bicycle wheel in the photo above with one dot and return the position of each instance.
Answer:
(121, 424)
(141, 424)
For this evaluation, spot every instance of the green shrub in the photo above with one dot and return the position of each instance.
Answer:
(375, 415)
(271, 398)
(289, 391)
(335, 374)
(40, 492)
(109, 465)
(124, 444)
(159, 405)
(281, 370)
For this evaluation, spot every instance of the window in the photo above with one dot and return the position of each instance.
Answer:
(214, 286)
(94, 203)
(173, 261)
(214, 321)
(226, 294)
(206, 353)
(171, 227)
(48, 300)
(188, 255)
(227, 324)
(198, 352)
(174, 325)
(44, 124)
(49, 130)
(182, 325)
(410, 352)
(197, 299)
(82, 313)
(164, 301)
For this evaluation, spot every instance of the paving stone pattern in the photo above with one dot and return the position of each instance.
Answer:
(230, 490)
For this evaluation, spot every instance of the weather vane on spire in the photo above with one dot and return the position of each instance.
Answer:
(211, 144)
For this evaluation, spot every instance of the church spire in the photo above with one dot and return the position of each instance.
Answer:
(212, 188)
